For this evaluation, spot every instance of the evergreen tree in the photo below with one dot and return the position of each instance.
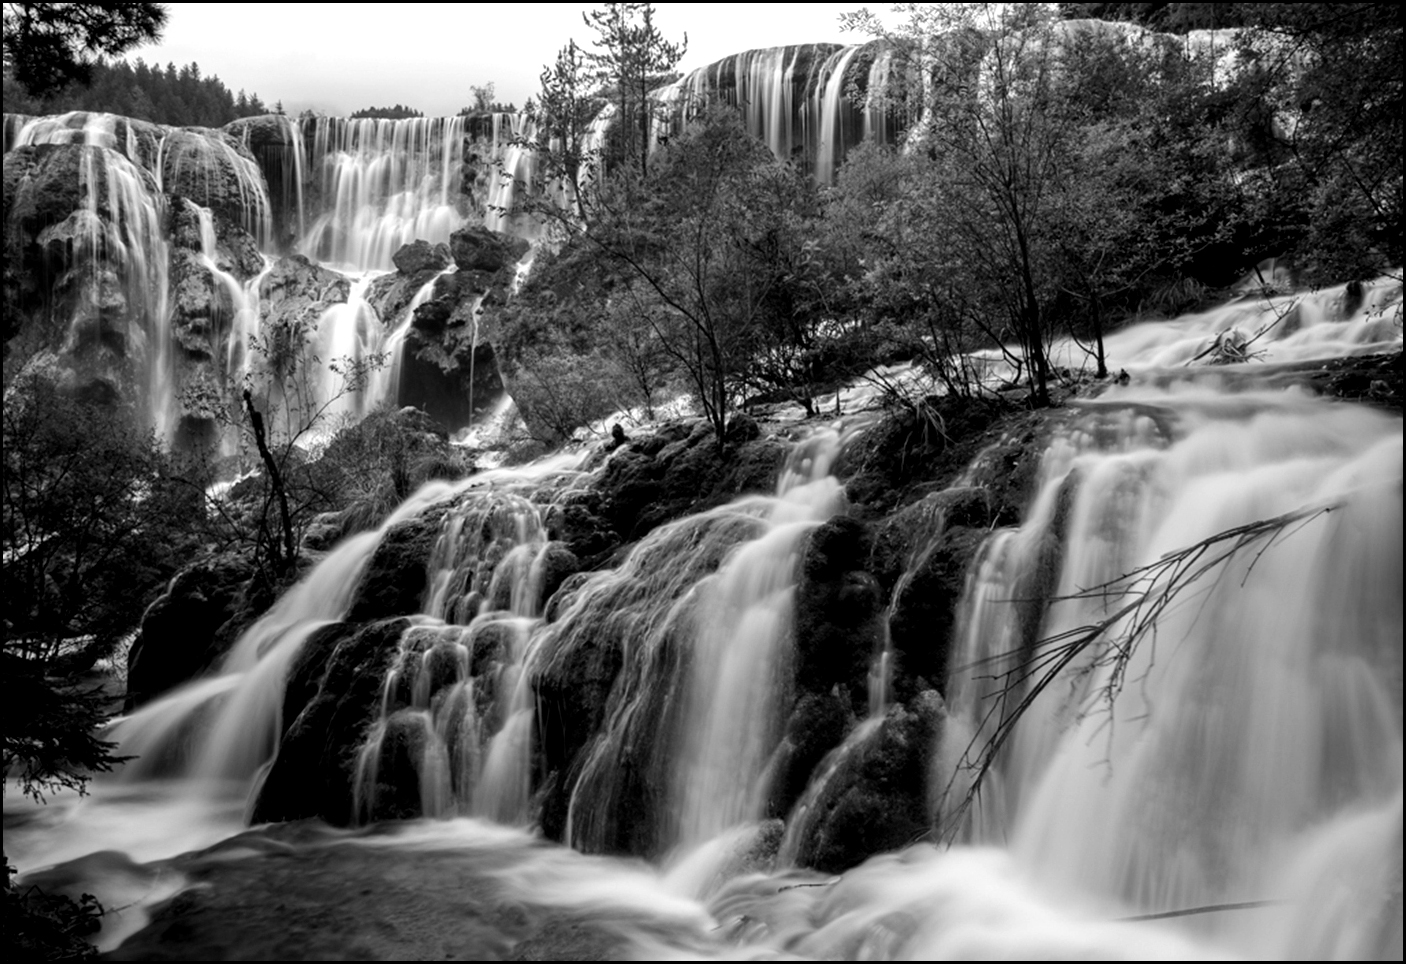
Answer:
(631, 58)
(49, 45)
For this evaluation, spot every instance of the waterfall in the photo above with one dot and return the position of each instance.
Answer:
(349, 193)
(797, 100)
(233, 716)
(383, 184)
(457, 690)
(1241, 761)
(385, 380)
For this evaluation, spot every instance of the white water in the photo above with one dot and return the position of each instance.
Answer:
(384, 183)
(469, 701)
(796, 100)
(743, 620)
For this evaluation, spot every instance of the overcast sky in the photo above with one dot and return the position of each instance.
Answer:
(338, 59)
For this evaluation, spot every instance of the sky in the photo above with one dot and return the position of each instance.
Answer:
(340, 58)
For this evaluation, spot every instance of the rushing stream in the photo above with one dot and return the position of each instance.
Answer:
(1217, 773)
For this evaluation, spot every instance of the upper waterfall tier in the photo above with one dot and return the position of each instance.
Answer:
(811, 103)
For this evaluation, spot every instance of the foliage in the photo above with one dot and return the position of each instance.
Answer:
(371, 466)
(90, 523)
(398, 112)
(484, 102)
(93, 524)
(1060, 174)
(706, 237)
(631, 58)
(1324, 142)
(179, 97)
(49, 45)
(563, 116)
(41, 926)
(51, 726)
(282, 412)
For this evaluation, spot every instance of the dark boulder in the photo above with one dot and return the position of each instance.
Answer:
(554, 565)
(420, 257)
(416, 264)
(333, 694)
(180, 635)
(397, 575)
(839, 631)
(452, 387)
(678, 471)
(925, 610)
(816, 726)
(296, 292)
(875, 800)
(479, 249)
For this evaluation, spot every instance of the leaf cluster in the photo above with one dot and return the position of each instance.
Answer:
(48, 45)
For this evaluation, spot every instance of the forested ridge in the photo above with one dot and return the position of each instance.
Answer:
(179, 96)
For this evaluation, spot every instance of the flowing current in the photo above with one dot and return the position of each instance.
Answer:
(1218, 772)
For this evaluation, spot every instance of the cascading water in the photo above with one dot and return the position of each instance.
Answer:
(383, 183)
(743, 621)
(244, 322)
(384, 385)
(457, 694)
(238, 710)
(797, 100)
(351, 192)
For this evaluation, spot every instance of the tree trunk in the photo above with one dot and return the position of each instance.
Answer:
(283, 560)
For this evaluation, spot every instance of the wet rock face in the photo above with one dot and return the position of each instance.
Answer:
(816, 726)
(876, 799)
(678, 471)
(479, 249)
(67, 288)
(334, 689)
(215, 171)
(419, 258)
(203, 313)
(838, 612)
(396, 577)
(925, 608)
(453, 387)
(296, 292)
(446, 369)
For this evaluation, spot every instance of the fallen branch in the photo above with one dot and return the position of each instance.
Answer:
(1150, 590)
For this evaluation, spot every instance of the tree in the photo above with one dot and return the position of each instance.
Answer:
(1064, 170)
(693, 237)
(1326, 141)
(48, 45)
(483, 97)
(631, 58)
(288, 406)
(93, 525)
(563, 116)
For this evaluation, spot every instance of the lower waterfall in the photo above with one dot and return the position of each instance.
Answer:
(1171, 727)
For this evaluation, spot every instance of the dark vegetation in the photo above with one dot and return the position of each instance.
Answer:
(181, 97)
(398, 112)
(1064, 181)
(49, 45)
